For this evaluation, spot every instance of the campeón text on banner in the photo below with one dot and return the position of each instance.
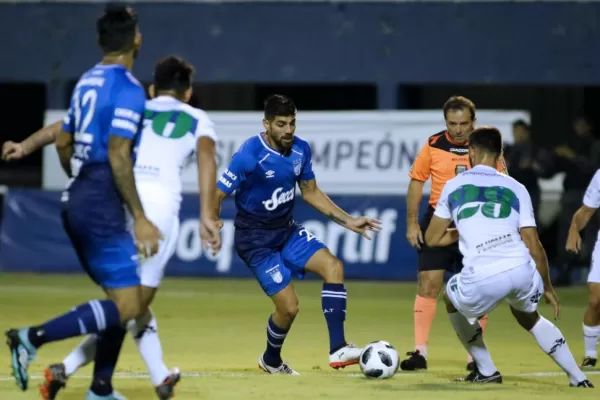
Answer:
(367, 152)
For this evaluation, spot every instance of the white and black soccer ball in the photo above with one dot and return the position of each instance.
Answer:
(379, 360)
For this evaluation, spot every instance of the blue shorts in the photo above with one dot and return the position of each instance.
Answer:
(287, 253)
(111, 261)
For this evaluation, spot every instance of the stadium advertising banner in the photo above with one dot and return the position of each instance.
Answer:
(32, 238)
(367, 152)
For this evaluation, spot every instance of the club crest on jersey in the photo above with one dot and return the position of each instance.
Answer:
(279, 197)
(297, 166)
(275, 274)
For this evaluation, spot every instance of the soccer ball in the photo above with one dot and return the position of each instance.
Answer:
(379, 360)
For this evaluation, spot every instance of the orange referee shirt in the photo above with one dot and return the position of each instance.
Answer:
(442, 159)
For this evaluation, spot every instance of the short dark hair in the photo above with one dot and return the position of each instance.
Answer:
(488, 139)
(521, 123)
(456, 103)
(277, 105)
(116, 28)
(173, 73)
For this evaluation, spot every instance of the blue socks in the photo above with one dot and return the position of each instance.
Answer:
(92, 317)
(333, 301)
(108, 348)
(275, 338)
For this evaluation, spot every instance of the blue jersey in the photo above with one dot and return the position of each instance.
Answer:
(106, 101)
(265, 182)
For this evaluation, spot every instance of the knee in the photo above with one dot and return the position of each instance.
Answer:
(129, 310)
(334, 271)
(430, 286)
(289, 311)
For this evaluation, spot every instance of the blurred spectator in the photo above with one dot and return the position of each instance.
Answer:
(522, 164)
(578, 158)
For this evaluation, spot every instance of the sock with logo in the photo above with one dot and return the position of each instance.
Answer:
(333, 301)
(483, 323)
(92, 317)
(145, 333)
(275, 338)
(108, 348)
(590, 340)
(553, 343)
(424, 314)
(81, 356)
(470, 335)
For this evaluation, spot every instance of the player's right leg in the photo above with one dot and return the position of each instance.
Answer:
(591, 318)
(275, 279)
(523, 305)
(464, 312)
(431, 268)
(93, 317)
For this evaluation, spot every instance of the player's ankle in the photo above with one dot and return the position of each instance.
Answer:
(271, 360)
(333, 349)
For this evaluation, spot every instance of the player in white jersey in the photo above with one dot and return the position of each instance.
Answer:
(173, 131)
(591, 318)
(503, 259)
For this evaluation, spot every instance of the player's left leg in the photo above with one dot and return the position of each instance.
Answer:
(523, 305)
(591, 318)
(304, 252)
(469, 333)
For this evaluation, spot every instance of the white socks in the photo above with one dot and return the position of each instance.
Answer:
(145, 333)
(471, 338)
(590, 340)
(81, 356)
(553, 343)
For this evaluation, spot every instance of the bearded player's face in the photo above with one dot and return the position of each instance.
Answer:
(459, 124)
(281, 131)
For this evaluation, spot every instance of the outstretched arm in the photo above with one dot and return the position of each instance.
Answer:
(12, 151)
(322, 203)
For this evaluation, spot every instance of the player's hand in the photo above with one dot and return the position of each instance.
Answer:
(551, 297)
(147, 237)
(363, 225)
(573, 241)
(414, 235)
(12, 151)
(210, 234)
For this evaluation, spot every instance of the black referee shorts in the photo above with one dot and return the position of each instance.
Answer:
(437, 258)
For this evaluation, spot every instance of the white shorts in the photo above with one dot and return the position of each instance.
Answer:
(522, 287)
(594, 275)
(152, 270)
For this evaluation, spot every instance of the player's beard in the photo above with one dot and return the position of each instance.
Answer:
(135, 53)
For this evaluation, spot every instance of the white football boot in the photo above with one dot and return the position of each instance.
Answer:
(347, 355)
(282, 369)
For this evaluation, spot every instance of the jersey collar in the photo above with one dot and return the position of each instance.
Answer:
(268, 147)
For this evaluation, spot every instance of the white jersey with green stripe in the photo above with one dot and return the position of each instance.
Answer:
(168, 143)
(489, 209)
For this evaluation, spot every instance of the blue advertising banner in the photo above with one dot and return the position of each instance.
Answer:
(32, 238)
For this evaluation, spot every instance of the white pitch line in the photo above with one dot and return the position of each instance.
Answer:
(132, 375)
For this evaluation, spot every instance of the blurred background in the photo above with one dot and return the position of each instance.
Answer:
(369, 79)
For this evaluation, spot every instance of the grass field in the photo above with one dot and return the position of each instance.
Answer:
(214, 330)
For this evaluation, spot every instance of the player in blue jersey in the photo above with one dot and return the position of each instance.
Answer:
(264, 173)
(96, 149)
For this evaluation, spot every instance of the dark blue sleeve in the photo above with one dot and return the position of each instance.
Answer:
(129, 107)
(307, 173)
(240, 167)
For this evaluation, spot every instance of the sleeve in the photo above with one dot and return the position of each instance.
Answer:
(421, 168)
(240, 167)
(591, 198)
(205, 127)
(68, 124)
(442, 210)
(307, 173)
(526, 215)
(128, 111)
